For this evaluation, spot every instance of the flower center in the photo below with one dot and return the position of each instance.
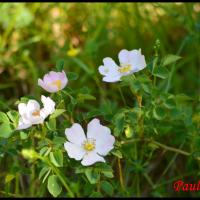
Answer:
(36, 113)
(57, 83)
(125, 68)
(89, 145)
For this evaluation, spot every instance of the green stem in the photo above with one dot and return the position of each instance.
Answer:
(149, 180)
(160, 145)
(122, 96)
(120, 174)
(10, 194)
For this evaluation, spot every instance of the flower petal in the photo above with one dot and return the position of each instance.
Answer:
(137, 60)
(32, 106)
(91, 158)
(123, 56)
(112, 79)
(22, 108)
(109, 67)
(102, 135)
(75, 134)
(22, 125)
(74, 151)
(63, 78)
(49, 105)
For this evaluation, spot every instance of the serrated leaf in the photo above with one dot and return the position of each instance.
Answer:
(54, 186)
(169, 59)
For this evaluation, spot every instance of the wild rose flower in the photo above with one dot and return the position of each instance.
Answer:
(53, 81)
(91, 148)
(130, 62)
(31, 113)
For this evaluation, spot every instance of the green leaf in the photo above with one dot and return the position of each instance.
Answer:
(14, 116)
(119, 123)
(60, 65)
(161, 72)
(183, 98)
(54, 186)
(51, 125)
(96, 194)
(9, 177)
(23, 135)
(57, 158)
(5, 130)
(83, 97)
(107, 187)
(59, 141)
(92, 176)
(106, 170)
(46, 175)
(117, 153)
(169, 59)
(169, 103)
(72, 76)
(4, 118)
(57, 113)
(43, 171)
(158, 113)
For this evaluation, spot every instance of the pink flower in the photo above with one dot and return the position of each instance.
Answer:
(53, 81)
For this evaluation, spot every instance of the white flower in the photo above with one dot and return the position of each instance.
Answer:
(31, 113)
(130, 62)
(90, 149)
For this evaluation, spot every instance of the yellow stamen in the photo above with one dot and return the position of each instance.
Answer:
(36, 113)
(124, 69)
(89, 145)
(57, 83)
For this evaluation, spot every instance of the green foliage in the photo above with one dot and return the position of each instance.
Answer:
(54, 186)
(154, 114)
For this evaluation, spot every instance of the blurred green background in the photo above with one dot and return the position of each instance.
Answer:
(33, 36)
